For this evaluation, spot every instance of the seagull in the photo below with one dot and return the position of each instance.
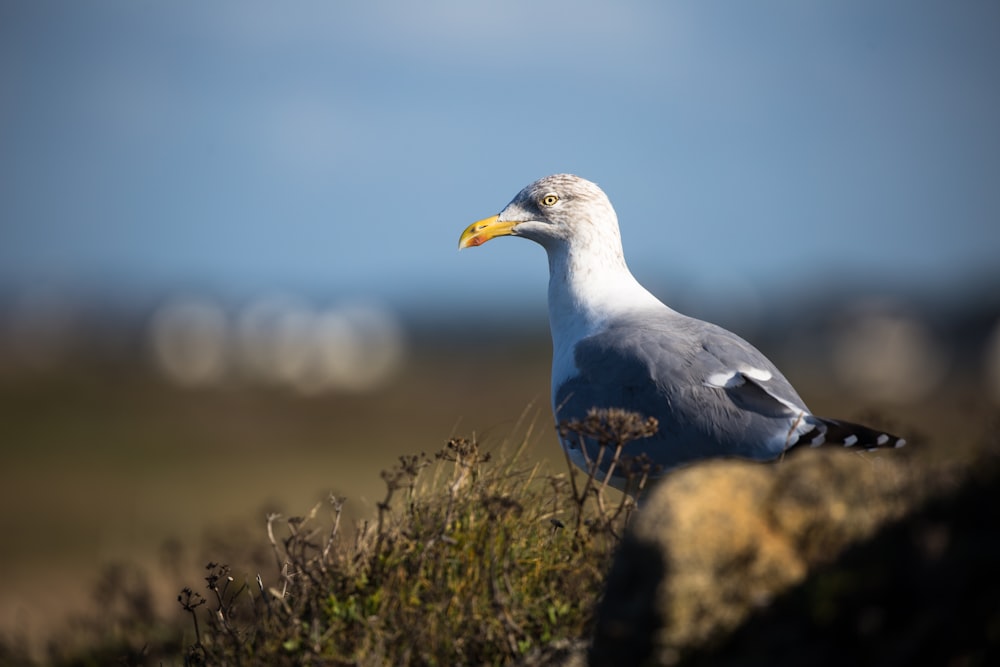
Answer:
(616, 346)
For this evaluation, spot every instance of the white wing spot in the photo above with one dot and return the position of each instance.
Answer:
(757, 374)
(882, 439)
(850, 441)
(818, 440)
(722, 380)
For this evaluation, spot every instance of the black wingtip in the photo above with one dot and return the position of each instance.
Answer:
(849, 434)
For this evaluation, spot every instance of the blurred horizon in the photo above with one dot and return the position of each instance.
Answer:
(241, 148)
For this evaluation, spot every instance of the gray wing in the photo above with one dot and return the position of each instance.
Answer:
(713, 393)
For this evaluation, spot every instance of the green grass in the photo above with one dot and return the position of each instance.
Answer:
(469, 558)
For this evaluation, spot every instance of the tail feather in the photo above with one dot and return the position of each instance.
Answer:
(847, 434)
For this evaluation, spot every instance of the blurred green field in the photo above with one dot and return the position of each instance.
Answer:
(106, 462)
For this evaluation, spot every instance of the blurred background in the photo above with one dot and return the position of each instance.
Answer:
(229, 281)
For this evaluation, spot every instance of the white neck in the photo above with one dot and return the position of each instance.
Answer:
(585, 291)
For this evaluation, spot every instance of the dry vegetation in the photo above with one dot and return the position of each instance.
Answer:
(477, 559)
(469, 559)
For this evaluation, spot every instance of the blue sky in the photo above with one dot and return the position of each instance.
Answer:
(340, 148)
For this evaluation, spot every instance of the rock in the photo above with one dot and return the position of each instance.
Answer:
(719, 540)
(923, 590)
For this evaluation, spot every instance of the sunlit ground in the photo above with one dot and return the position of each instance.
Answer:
(107, 462)
(119, 458)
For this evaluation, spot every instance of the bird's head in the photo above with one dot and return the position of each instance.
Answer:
(557, 211)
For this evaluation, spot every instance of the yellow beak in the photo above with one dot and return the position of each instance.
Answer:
(482, 231)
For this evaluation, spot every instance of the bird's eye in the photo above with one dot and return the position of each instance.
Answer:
(549, 200)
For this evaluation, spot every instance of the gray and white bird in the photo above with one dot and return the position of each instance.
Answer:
(615, 345)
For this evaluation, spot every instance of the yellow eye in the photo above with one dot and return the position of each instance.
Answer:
(549, 200)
